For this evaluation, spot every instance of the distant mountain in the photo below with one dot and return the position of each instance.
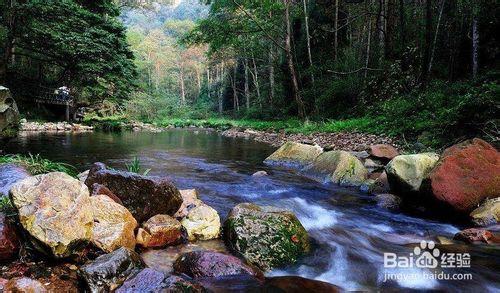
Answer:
(157, 14)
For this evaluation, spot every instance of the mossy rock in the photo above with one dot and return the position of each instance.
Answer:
(406, 173)
(338, 167)
(293, 154)
(266, 237)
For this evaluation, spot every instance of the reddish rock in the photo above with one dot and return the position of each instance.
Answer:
(97, 189)
(160, 231)
(9, 175)
(294, 284)
(9, 243)
(466, 174)
(24, 285)
(473, 235)
(149, 280)
(383, 151)
(143, 196)
(199, 264)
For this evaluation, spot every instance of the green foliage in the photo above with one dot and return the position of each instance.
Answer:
(36, 165)
(6, 205)
(135, 167)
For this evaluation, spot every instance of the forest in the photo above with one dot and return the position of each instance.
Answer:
(426, 71)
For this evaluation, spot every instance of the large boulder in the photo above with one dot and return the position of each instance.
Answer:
(149, 280)
(189, 201)
(294, 154)
(9, 175)
(383, 151)
(200, 264)
(475, 235)
(160, 231)
(114, 225)
(9, 242)
(109, 271)
(143, 196)
(488, 213)
(265, 236)
(96, 189)
(9, 114)
(405, 173)
(339, 167)
(202, 223)
(466, 174)
(56, 211)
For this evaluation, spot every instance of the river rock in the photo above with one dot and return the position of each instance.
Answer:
(56, 211)
(149, 280)
(405, 173)
(487, 213)
(83, 176)
(475, 235)
(200, 264)
(24, 284)
(294, 154)
(202, 223)
(265, 236)
(109, 271)
(160, 231)
(373, 165)
(143, 196)
(296, 284)
(189, 201)
(9, 175)
(9, 242)
(339, 167)
(388, 201)
(383, 151)
(114, 225)
(260, 174)
(96, 189)
(466, 174)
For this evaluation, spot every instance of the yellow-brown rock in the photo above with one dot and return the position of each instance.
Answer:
(189, 201)
(114, 225)
(56, 211)
(202, 223)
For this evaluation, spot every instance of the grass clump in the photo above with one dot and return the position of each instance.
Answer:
(135, 167)
(36, 165)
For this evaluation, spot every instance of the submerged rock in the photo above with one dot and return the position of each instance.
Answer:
(294, 154)
(83, 176)
(466, 174)
(109, 271)
(56, 211)
(338, 167)
(388, 201)
(189, 201)
(199, 264)
(149, 280)
(295, 284)
(114, 225)
(487, 213)
(475, 235)
(260, 174)
(265, 236)
(9, 175)
(160, 231)
(202, 223)
(24, 285)
(143, 196)
(9, 242)
(405, 173)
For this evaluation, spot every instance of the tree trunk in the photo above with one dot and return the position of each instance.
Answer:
(247, 85)
(308, 36)
(381, 31)
(368, 44)
(436, 36)
(236, 103)
(428, 40)
(291, 66)
(9, 43)
(402, 32)
(475, 43)
(198, 80)
(256, 81)
(209, 86)
(389, 29)
(336, 28)
(183, 87)
(271, 77)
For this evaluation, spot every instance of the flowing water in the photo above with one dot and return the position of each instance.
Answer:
(349, 231)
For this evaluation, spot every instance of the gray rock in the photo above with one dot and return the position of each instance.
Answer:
(109, 271)
(388, 201)
(149, 280)
(9, 175)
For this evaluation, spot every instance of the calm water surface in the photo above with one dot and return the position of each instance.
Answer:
(350, 232)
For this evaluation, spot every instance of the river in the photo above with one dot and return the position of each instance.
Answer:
(350, 233)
